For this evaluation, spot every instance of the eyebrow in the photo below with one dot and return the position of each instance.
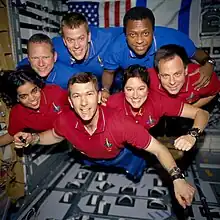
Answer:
(27, 93)
(81, 93)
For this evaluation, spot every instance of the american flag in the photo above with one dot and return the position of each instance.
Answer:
(103, 13)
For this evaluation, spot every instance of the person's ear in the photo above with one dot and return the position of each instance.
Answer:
(159, 76)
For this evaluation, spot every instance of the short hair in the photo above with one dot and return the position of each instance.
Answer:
(40, 38)
(74, 20)
(11, 80)
(83, 77)
(168, 52)
(136, 71)
(139, 13)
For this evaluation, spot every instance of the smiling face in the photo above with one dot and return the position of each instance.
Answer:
(172, 74)
(41, 58)
(29, 95)
(77, 41)
(135, 92)
(139, 35)
(83, 99)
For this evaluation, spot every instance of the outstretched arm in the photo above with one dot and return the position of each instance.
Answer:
(49, 137)
(184, 192)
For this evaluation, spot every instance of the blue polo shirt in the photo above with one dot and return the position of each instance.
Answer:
(119, 54)
(59, 75)
(100, 40)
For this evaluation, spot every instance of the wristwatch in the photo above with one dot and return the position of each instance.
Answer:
(174, 170)
(178, 176)
(176, 173)
(209, 60)
(105, 89)
(194, 132)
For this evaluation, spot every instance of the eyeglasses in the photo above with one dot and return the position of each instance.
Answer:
(33, 92)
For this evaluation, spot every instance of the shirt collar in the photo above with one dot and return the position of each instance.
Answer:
(127, 108)
(100, 125)
(51, 77)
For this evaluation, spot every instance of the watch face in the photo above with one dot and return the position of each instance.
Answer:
(194, 133)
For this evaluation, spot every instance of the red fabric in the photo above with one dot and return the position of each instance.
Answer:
(106, 14)
(113, 131)
(43, 119)
(152, 110)
(117, 12)
(187, 94)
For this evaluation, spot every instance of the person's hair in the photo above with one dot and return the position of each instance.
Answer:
(83, 77)
(136, 71)
(74, 20)
(11, 80)
(139, 13)
(40, 38)
(168, 52)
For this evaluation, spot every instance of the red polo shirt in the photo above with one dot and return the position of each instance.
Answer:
(113, 131)
(151, 111)
(53, 100)
(187, 94)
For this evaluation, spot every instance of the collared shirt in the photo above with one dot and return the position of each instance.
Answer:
(120, 55)
(59, 75)
(101, 38)
(113, 131)
(151, 111)
(188, 93)
(53, 101)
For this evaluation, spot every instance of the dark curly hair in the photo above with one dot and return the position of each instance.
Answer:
(10, 80)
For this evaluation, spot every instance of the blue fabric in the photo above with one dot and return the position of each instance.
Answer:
(59, 75)
(119, 54)
(127, 160)
(184, 16)
(142, 3)
(101, 38)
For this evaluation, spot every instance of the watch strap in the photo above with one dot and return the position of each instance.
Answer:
(177, 176)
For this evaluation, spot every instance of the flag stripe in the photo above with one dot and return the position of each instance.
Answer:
(184, 16)
(106, 14)
(117, 13)
(128, 5)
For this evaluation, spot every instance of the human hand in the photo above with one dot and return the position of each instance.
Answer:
(104, 97)
(184, 142)
(22, 139)
(205, 75)
(184, 192)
